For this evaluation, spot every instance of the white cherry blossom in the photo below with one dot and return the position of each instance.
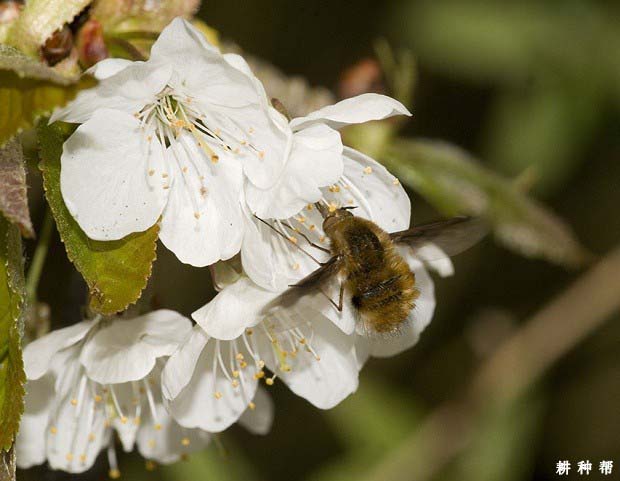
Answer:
(189, 137)
(95, 378)
(314, 348)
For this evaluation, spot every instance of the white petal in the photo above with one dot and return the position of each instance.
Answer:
(436, 259)
(38, 354)
(259, 419)
(419, 318)
(126, 349)
(180, 366)
(128, 90)
(325, 382)
(77, 434)
(108, 67)
(30, 442)
(202, 222)
(200, 70)
(377, 193)
(169, 441)
(355, 110)
(125, 423)
(260, 140)
(233, 310)
(210, 401)
(105, 178)
(273, 262)
(315, 161)
(178, 38)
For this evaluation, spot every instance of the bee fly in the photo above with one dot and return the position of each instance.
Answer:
(365, 258)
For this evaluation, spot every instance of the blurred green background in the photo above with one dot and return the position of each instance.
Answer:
(519, 84)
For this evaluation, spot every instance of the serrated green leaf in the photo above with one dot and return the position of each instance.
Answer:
(13, 189)
(12, 298)
(117, 271)
(39, 19)
(455, 183)
(141, 15)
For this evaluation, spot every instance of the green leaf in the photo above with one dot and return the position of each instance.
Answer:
(12, 298)
(117, 271)
(30, 90)
(39, 19)
(455, 183)
(13, 193)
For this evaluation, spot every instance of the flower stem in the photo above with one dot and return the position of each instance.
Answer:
(38, 260)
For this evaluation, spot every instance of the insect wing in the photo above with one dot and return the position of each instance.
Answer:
(451, 236)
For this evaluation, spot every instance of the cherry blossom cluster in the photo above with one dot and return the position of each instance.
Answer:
(190, 140)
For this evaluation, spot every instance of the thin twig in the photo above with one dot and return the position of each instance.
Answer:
(38, 260)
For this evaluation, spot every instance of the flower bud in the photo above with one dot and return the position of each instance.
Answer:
(363, 77)
(58, 46)
(90, 43)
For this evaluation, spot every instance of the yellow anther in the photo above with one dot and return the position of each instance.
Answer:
(312, 227)
(261, 155)
(106, 423)
(166, 186)
(114, 474)
(259, 374)
(239, 357)
(123, 419)
(98, 398)
(295, 266)
(334, 188)
(203, 191)
(269, 381)
(261, 363)
(149, 137)
(53, 430)
(396, 182)
(137, 420)
(292, 239)
(83, 458)
(185, 441)
(235, 383)
(214, 158)
(251, 130)
(302, 340)
(368, 170)
(151, 172)
(252, 406)
(309, 207)
(150, 465)
(235, 373)
(322, 238)
(151, 443)
(184, 169)
(69, 457)
(249, 332)
(332, 207)
(243, 364)
(197, 215)
(157, 427)
(91, 437)
(164, 175)
(218, 395)
(74, 402)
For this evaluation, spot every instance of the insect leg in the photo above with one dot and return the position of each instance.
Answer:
(316, 246)
(340, 298)
(288, 239)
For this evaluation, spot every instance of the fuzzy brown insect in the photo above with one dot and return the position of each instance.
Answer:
(381, 285)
